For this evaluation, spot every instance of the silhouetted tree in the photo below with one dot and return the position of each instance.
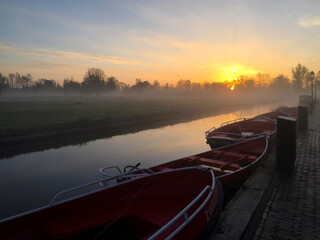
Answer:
(299, 74)
(249, 83)
(11, 80)
(155, 84)
(184, 85)
(45, 84)
(23, 81)
(17, 79)
(318, 76)
(4, 83)
(308, 81)
(141, 85)
(112, 84)
(71, 86)
(180, 84)
(123, 86)
(206, 85)
(196, 86)
(218, 87)
(167, 86)
(280, 83)
(94, 80)
(262, 79)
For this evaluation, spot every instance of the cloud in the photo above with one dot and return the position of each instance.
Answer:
(309, 22)
(68, 55)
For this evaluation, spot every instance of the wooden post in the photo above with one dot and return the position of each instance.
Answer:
(303, 118)
(286, 143)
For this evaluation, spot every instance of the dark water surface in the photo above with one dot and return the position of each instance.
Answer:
(30, 180)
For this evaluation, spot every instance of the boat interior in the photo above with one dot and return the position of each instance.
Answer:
(223, 160)
(129, 210)
(245, 128)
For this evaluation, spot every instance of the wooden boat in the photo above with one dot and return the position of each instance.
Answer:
(140, 204)
(239, 130)
(231, 164)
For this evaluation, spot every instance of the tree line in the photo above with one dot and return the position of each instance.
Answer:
(95, 81)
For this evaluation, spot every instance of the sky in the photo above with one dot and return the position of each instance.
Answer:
(203, 40)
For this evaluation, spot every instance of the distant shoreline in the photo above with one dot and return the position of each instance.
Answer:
(85, 130)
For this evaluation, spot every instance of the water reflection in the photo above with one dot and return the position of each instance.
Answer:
(29, 181)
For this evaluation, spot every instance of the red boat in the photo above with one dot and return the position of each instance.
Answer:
(239, 130)
(231, 164)
(141, 204)
(281, 111)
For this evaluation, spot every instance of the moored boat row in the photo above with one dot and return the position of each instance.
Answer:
(239, 130)
(180, 199)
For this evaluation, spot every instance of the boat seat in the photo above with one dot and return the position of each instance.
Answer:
(215, 163)
(221, 152)
(238, 156)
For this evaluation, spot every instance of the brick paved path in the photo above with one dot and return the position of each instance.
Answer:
(293, 211)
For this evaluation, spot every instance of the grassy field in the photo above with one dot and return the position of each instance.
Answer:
(21, 117)
(34, 115)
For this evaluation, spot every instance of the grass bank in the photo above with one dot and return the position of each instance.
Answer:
(62, 121)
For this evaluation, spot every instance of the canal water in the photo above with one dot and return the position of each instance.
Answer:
(30, 180)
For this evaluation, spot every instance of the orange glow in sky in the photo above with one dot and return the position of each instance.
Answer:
(214, 41)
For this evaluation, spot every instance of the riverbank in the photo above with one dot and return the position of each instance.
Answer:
(28, 125)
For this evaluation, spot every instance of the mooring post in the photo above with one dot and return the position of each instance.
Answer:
(311, 105)
(286, 143)
(302, 118)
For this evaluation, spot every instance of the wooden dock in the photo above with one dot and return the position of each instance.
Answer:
(273, 204)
